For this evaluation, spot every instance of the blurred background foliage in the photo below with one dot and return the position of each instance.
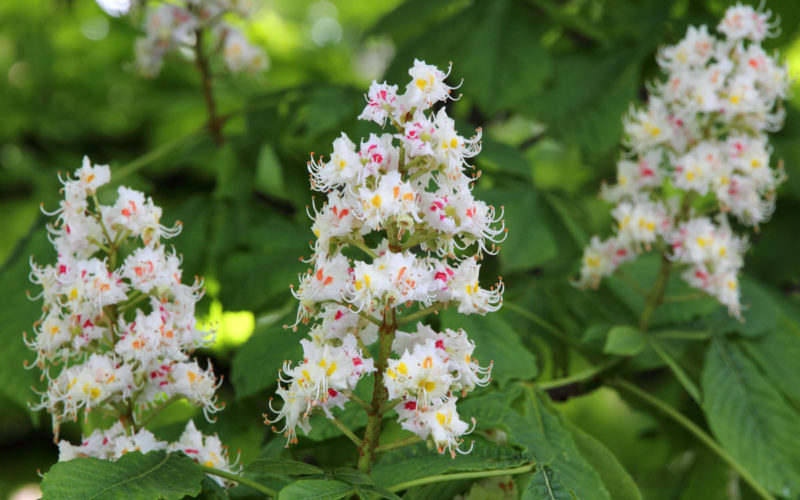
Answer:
(548, 81)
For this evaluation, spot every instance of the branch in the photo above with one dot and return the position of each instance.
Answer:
(214, 122)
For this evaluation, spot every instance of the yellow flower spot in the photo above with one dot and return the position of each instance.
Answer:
(690, 175)
(209, 463)
(376, 201)
(732, 285)
(305, 374)
(402, 368)
(735, 98)
(73, 294)
(592, 261)
(331, 369)
(429, 385)
(367, 280)
(421, 83)
(453, 142)
(655, 131)
(358, 285)
(754, 163)
(651, 226)
(192, 376)
(391, 373)
(701, 242)
(342, 164)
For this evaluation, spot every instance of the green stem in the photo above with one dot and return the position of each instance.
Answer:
(362, 246)
(133, 302)
(684, 379)
(461, 475)
(357, 400)
(438, 306)
(656, 295)
(583, 376)
(697, 431)
(546, 325)
(683, 334)
(631, 282)
(366, 452)
(398, 444)
(345, 430)
(239, 479)
(153, 155)
(155, 411)
(685, 297)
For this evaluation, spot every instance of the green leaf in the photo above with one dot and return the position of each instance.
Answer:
(624, 340)
(543, 432)
(546, 485)
(619, 482)
(495, 341)
(417, 461)
(282, 467)
(352, 476)
(751, 419)
(154, 475)
(709, 478)
(777, 354)
(588, 95)
(760, 312)
(275, 254)
(685, 380)
(315, 489)
(530, 242)
(19, 313)
(502, 159)
(507, 39)
(256, 364)
(269, 173)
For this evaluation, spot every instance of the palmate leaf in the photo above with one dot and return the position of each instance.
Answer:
(544, 433)
(503, 35)
(777, 353)
(546, 485)
(751, 419)
(619, 482)
(156, 475)
(315, 489)
(19, 313)
(255, 366)
(495, 341)
(415, 462)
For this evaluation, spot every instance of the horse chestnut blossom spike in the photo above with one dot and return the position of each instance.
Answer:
(171, 26)
(698, 156)
(118, 325)
(401, 204)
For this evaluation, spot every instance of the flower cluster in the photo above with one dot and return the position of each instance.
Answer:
(400, 230)
(171, 26)
(112, 443)
(117, 325)
(698, 154)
